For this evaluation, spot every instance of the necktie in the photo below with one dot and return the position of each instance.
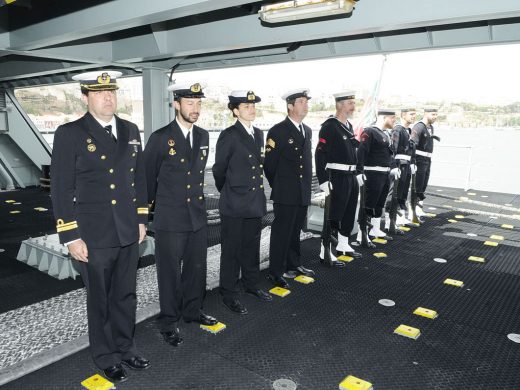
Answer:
(108, 129)
(302, 130)
(188, 141)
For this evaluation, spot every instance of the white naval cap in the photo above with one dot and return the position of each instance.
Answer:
(186, 90)
(99, 80)
(344, 95)
(243, 96)
(294, 94)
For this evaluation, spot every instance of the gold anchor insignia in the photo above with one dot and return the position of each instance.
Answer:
(172, 152)
(251, 96)
(89, 141)
(195, 88)
(291, 140)
(104, 78)
(91, 148)
(171, 142)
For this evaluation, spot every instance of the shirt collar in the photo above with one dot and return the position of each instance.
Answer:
(105, 124)
(184, 130)
(295, 123)
(250, 129)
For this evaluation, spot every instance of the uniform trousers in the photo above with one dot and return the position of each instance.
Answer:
(240, 252)
(181, 289)
(423, 175)
(377, 187)
(284, 248)
(403, 187)
(343, 203)
(110, 280)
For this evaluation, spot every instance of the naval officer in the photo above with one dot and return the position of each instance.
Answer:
(176, 156)
(239, 159)
(98, 192)
(288, 168)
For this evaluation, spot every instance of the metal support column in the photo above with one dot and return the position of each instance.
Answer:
(155, 101)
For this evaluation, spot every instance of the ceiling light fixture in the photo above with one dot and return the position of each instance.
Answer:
(290, 11)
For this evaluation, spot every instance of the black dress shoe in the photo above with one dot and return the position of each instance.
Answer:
(203, 319)
(354, 254)
(333, 263)
(278, 281)
(260, 294)
(291, 274)
(235, 306)
(305, 271)
(172, 337)
(115, 373)
(137, 363)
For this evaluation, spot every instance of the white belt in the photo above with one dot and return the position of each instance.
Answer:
(403, 157)
(421, 153)
(379, 169)
(341, 167)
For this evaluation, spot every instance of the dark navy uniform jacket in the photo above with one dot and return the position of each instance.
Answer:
(375, 149)
(238, 172)
(288, 163)
(175, 178)
(98, 186)
(401, 142)
(336, 144)
(422, 137)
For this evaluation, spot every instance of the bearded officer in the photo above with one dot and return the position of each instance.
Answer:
(288, 168)
(423, 136)
(376, 162)
(239, 158)
(336, 170)
(98, 192)
(176, 157)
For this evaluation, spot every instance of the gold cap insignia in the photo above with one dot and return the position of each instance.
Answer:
(251, 96)
(171, 142)
(91, 148)
(172, 152)
(195, 88)
(104, 78)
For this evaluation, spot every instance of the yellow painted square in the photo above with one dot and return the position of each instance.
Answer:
(431, 215)
(218, 327)
(428, 313)
(459, 216)
(506, 226)
(453, 282)
(345, 258)
(497, 238)
(97, 382)
(10, 201)
(491, 243)
(452, 220)
(407, 331)
(304, 279)
(279, 291)
(380, 255)
(379, 240)
(353, 383)
(404, 228)
(476, 259)
(15, 212)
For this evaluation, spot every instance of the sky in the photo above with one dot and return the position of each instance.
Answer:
(482, 75)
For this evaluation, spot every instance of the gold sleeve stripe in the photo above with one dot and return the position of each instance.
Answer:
(142, 210)
(271, 143)
(66, 227)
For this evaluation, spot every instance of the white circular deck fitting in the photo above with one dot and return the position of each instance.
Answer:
(386, 302)
(439, 190)
(472, 234)
(284, 384)
(507, 204)
(439, 260)
(432, 208)
(493, 217)
(483, 196)
(514, 337)
(2, 250)
(17, 203)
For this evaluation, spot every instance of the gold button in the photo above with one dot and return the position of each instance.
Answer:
(261, 186)
(200, 171)
(182, 160)
(254, 177)
(111, 170)
(250, 155)
(301, 156)
(295, 148)
(301, 166)
(134, 200)
(112, 186)
(133, 154)
(103, 157)
(202, 158)
(188, 200)
(131, 169)
(133, 184)
(254, 188)
(301, 176)
(189, 173)
(252, 167)
(261, 165)
(114, 201)
(200, 197)
(200, 184)
(188, 186)
(262, 176)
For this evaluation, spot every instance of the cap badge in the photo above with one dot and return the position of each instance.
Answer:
(195, 88)
(171, 142)
(251, 96)
(104, 78)
(91, 148)
(172, 152)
